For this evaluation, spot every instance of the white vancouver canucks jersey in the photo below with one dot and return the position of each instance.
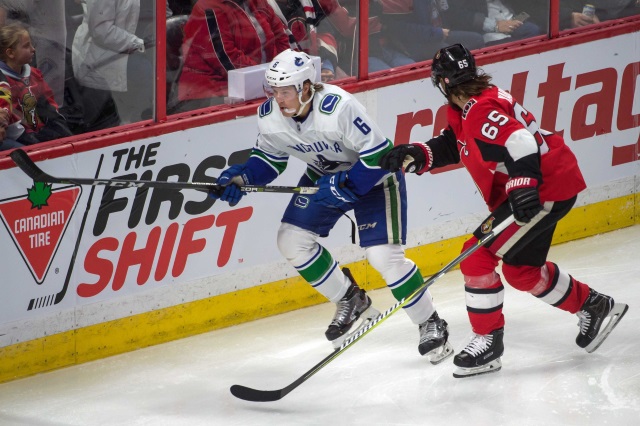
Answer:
(335, 135)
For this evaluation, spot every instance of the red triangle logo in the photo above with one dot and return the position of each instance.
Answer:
(37, 223)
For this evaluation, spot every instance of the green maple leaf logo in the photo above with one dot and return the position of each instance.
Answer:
(38, 194)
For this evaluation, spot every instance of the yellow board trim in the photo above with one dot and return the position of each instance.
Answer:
(164, 325)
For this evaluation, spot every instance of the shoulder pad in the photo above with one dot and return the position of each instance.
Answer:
(266, 108)
(329, 103)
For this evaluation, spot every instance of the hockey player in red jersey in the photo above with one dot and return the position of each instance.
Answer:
(519, 169)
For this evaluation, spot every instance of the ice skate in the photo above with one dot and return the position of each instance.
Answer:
(481, 355)
(434, 339)
(353, 306)
(591, 317)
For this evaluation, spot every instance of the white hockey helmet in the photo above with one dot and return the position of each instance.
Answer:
(291, 68)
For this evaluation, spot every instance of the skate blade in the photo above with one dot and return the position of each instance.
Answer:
(616, 314)
(365, 318)
(492, 367)
(438, 355)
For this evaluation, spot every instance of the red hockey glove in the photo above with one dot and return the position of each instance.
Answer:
(524, 198)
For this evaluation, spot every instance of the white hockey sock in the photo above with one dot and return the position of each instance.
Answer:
(402, 277)
(312, 261)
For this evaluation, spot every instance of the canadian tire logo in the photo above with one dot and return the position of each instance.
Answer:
(37, 222)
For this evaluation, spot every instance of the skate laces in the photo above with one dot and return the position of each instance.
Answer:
(345, 308)
(584, 320)
(478, 344)
(428, 331)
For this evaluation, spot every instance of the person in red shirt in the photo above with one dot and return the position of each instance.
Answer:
(299, 16)
(520, 170)
(222, 35)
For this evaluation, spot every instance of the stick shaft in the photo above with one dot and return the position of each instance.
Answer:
(256, 395)
(27, 165)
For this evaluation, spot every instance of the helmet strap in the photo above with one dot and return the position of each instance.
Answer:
(444, 92)
(304, 103)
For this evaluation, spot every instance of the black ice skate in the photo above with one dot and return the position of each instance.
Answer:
(595, 310)
(353, 305)
(481, 356)
(434, 336)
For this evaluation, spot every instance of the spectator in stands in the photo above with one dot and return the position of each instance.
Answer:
(571, 15)
(572, 11)
(416, 28)
(32, 98)
(614, 9)
(181, 7)
(301, 20)
(537, 9)
(107, 58)
(45, 21)
(495, 19)
(222, 35)
(342, 22)
(169, 12)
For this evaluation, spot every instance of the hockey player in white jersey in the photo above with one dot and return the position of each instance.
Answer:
(330, 131)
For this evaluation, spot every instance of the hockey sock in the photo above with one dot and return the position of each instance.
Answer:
(402, 277)
(323, 273)
(484, 296)
(564, 292)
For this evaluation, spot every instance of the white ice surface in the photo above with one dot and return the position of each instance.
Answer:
(381, 380)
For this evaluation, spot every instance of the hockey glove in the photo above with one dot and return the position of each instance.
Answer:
(333, 191)
(229, 184)
(524, 198)
(411, 157)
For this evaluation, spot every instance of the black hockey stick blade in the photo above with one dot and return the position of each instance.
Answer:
(27, 165)
(256, 395)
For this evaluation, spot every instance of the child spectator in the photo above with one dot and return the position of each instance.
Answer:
(46, 22)
(32, 98)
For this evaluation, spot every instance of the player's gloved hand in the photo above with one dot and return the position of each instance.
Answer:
(524, 198)
(333, 191)
(229, 183)
(410, 157)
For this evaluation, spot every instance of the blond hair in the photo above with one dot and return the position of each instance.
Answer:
(10, 37)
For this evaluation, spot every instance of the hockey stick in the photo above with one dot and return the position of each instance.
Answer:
(255, 395)
(25, 163)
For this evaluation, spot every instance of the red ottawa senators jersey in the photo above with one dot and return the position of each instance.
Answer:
(492, 138)
(26, 89)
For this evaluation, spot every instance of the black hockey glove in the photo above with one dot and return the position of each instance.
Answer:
(410, 157)
(524, 199)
